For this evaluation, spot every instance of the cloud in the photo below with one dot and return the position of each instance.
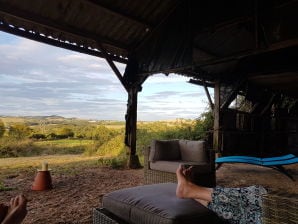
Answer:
(37, 79)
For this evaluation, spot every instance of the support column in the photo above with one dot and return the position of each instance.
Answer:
(131, 127)
(216, 114)
(216, 129)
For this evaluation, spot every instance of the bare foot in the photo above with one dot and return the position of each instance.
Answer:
(183, 184)
(186, 189)
(3, 211)
(17, 210)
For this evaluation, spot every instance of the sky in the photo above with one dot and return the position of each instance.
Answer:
(41, 80)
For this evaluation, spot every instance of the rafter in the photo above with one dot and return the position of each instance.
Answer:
(154, 30)
(113, 66)
(36, 37)
(119, 13)
(201, 83)
(61, 27)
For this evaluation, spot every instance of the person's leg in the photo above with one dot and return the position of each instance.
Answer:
(3, 211)
(186, 189)
(238, 205)
(17, 210)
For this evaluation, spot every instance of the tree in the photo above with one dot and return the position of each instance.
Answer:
(19, 131)
(65, 133)
(2, 128)
(103, 134)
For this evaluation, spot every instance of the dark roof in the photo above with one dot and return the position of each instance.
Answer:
(85, 25)
(205, 40)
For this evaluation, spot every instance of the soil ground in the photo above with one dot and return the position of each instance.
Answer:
(74, 195)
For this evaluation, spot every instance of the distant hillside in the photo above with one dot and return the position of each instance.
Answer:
(59, 120)
(37, 120)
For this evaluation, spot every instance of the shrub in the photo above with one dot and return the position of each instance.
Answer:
(19, 131)
(65, 133)
(118, 162)
(2, 128)
(10, 147)
(113, 147)
(38, 136)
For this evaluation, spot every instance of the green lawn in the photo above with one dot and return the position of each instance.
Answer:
(63, 146)
(35, 161)
(63, 143)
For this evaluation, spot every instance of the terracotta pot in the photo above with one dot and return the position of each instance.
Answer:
(42, 181)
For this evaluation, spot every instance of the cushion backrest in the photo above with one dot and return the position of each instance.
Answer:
(193, 151)
(164, 150)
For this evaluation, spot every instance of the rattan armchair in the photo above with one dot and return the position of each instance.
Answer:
(203, 175)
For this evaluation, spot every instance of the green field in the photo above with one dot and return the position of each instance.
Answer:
(59, 164)
(63, 143)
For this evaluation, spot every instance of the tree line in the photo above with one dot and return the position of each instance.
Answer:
(18, 138)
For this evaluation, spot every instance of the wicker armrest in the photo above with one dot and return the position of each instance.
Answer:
(280, 208)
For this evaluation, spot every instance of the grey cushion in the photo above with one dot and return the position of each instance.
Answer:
(166, 166)
(164, 150)
(157, 203)
(171, 166)
(193, 151)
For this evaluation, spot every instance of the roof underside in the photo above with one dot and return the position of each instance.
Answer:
(205, 40)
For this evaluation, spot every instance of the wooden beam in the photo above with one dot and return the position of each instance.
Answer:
(112, 65)
(43, 39)
(206, 52)
(276, 46)
(232, 95)
(119, 13)
(131, 127)
(201, 83)
(268, 105)
(256, 21)
(216, 114)
(58, 26)
(208, 96)
(205, 85)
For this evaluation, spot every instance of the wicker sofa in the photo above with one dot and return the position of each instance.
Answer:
(162, 158)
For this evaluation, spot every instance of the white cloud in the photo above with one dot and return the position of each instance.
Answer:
(37, 79)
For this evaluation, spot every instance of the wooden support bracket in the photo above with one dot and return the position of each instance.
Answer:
(232, 95)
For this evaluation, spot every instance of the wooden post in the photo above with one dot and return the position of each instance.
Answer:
(216, 114)
(216, 131)
(131, 127)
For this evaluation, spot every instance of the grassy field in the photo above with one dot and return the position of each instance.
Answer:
(58, 163)
(63, 143)
(63, 146)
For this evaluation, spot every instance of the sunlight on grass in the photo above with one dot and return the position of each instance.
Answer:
(30, 162)
(64, 143)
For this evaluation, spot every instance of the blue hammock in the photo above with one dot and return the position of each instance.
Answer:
(272, 162)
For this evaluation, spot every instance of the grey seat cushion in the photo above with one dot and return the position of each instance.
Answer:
(171, 166)
(157, 203)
